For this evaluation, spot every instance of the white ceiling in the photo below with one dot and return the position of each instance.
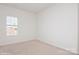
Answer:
(32, 7)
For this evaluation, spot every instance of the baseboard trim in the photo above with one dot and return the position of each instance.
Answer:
(69, 50)
(47, 42)
(16, 42)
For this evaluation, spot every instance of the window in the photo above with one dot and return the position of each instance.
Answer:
(11, 25)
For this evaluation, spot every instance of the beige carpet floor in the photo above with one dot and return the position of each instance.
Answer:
(33, 47)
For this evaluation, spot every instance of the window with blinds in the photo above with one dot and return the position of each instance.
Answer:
(11, 25)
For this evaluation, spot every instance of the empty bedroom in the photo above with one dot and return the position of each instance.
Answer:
(39, 29)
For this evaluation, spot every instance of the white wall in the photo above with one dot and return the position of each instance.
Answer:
(26, 25)
(58, 26)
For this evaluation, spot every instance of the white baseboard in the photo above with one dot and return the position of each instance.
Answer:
(51, 43)
(14, 42)
(46, 41)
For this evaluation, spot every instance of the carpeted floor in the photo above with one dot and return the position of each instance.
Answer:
(33, 47)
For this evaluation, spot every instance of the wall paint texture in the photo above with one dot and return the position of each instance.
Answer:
(58, 26)
(26, 25)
